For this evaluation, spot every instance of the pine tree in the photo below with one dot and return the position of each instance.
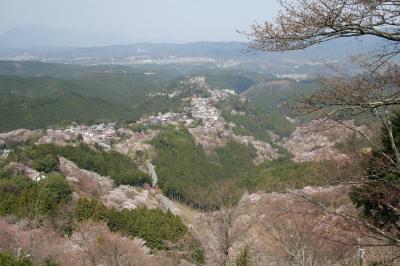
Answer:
(244, 258)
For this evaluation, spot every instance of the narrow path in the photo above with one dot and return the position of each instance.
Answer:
(152, 173)
(166, 203)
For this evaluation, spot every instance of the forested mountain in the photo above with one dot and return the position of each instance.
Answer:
(40, 36)
(37, 69)
(271, 138)
(215, 50)
(185, 145)
(37, 95)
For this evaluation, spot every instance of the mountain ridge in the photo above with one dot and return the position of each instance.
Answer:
(43, 36)
(70, 43)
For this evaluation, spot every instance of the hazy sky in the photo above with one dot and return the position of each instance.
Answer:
(146, 20)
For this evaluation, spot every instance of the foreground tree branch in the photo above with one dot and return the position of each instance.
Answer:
(373, 93)
(304, 23)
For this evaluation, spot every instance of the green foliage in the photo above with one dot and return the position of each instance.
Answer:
(377, 197)
(131, 90)
(380, 263)
(154, 226)
(395, 118)
(278, 175)
(24, 198)
(354, 143)
(244, 257)
(52, 94)
(68, 71)
(230, 81)
(235, 159)
(55, 188)
(275, 92)
(156, 104)
(199, 257)
(186, 172)
(37, 102)
(35, 69)
(51, 263)
(117, 166)
(139, 128)
(256, 120)
(43, 158)
(239, 80)
(8, 259)
(5, 173)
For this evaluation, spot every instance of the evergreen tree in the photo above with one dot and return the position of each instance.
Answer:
(380, 196)
(244, 258)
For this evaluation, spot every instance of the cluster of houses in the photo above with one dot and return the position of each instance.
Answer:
(163, 119)
(202, 109)
(102, 135)
(202, 118)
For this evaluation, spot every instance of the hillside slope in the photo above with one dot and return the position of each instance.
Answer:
(39, 102)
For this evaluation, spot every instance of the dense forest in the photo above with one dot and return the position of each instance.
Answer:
(253, 118)
(40, 102)
(45, 158)
(154, 226)
(282, 150)
(24, 198)
(37, 95)
(205, 180)
(189, 174)
(49, 200)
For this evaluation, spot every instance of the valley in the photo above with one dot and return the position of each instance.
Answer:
(200, 133)
(211, 165)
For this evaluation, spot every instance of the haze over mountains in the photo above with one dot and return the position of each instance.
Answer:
(41, 36)
(57, 42)
(149, 133)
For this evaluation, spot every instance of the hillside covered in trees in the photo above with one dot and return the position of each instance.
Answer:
(190, 154)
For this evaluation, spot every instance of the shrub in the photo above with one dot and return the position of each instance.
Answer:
(154, 226)
(244, 258)
(8, 259)
(117, 166)
(25, 198)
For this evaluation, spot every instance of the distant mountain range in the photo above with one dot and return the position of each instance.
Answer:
(61, 43)
(40, 36)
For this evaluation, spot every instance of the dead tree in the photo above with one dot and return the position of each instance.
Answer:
(94, 244)
(219, 219)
